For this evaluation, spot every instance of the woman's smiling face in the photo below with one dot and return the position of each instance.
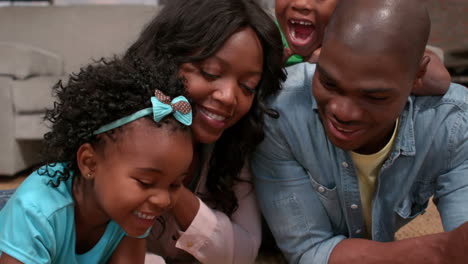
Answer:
(222, 87)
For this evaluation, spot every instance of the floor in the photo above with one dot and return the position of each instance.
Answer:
(7, 183)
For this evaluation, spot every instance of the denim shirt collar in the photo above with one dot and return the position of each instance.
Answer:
(405, 142)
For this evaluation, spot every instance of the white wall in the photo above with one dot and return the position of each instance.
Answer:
(104, 2)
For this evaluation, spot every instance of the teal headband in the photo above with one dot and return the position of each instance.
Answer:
(162, 106)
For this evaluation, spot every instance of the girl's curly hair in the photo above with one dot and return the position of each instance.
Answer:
(191, 31)
(99, 94)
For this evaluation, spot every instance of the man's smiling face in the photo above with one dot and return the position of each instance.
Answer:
(359, 96)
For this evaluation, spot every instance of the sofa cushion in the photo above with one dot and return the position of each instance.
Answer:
(30, 127)
(33, 95)
(22, 61)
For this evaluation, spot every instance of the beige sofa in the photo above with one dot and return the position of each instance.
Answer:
(39, 46)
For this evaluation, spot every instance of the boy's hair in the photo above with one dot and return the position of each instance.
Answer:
(99, 94)
(190, 31)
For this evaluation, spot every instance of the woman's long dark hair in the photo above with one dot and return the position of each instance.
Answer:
(187, 27)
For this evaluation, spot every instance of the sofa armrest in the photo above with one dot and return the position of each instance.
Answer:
(21, 61)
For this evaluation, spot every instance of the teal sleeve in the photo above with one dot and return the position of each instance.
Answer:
(25, 233)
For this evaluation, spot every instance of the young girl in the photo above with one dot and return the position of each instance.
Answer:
(229, 53)
(115, 158)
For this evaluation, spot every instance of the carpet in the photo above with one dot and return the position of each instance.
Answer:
(4, 196)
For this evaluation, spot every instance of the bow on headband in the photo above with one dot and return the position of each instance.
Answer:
(179, 106)
(162, 106)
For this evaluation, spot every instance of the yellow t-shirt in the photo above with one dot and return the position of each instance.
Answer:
(367, 169)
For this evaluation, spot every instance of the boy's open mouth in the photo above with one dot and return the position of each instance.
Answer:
(300, 31)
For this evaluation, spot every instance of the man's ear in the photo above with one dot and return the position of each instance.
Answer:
(86, 159)
(418, 82)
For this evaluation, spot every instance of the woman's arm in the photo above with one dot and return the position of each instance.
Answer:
(186, 208)
(213, 237)
(129, 250)
(246, 222)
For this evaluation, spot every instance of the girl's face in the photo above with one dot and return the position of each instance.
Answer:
(222, 86)
(303, 23)
(138, 176)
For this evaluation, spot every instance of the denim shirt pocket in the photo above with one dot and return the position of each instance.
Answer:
(408, 209)
(416, 202)
(329, 198)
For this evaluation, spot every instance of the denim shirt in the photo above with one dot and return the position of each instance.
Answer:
(308, 189)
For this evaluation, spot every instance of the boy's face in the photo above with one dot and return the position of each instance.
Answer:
(360, 96)
(303, 23)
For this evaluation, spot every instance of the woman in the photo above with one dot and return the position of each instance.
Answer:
(229, 54)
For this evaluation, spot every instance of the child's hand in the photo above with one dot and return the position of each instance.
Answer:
(315, 55)
(436, 79)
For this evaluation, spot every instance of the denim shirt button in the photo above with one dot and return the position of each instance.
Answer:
(321, 189)
(354, 206)
(344, 164)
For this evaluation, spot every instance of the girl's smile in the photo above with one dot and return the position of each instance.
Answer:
(145, 220)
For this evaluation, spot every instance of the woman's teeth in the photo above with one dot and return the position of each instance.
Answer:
(213, 116)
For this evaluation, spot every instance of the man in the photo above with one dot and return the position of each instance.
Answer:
(354, 158)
